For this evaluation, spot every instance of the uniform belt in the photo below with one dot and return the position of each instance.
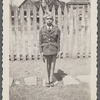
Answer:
(50, 43)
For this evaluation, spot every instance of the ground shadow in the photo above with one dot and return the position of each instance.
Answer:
(60, 75)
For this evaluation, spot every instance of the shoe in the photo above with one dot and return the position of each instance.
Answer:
(47, 84)
(51, 84)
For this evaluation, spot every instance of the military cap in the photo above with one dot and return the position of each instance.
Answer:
(48, 14)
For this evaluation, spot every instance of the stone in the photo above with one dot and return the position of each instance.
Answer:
(11, 80)
(17, 83)
(68, 80)
(56, 82)
(31, 81)
(83, 78)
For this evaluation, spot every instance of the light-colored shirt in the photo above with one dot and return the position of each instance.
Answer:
(49, 28)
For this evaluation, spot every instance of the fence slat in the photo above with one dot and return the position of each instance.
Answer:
(35, 33)
(60, 27)
(23, 56)
(75, 23)
(53, 13)
(29, 33)
(85, 46)
(26, 34)
(77, 30)
(84, 33)
(37, 38)
(79, 33)
(11, 39)
(71, 31)
(32, 34)
(65, 35)
(73, 44)
(47, 8)
(88, 33)
(17, 36)
(41, 18)
(20, 38)
(68, 28)
(89, 25)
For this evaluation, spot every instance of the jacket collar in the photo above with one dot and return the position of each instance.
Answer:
(46, 30)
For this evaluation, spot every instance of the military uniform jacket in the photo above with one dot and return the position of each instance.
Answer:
(49, 42)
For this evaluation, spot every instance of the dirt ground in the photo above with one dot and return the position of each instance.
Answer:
(73, 67)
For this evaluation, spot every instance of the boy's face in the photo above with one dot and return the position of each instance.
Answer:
(49, 20)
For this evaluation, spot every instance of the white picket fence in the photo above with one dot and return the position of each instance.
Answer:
(74, 24)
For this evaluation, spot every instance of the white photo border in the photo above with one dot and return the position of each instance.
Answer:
(5, 49)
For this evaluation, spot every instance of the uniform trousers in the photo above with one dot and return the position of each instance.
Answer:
(50, 61)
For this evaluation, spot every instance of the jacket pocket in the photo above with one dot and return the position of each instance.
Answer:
(44, 44)
(54, 44)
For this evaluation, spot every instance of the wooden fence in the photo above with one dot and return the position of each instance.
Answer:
(74, 24)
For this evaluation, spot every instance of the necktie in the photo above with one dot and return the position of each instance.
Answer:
(49, 29)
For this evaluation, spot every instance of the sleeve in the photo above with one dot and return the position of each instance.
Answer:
(40, 41)
(58, 39)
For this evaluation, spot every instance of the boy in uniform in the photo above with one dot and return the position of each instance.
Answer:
(49, 43)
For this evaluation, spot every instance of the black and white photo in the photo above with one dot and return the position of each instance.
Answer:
(49, 49)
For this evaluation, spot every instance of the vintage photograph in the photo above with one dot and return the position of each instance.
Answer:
(50, 50)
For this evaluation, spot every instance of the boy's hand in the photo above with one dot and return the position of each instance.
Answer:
(58, 54)
(42, 55)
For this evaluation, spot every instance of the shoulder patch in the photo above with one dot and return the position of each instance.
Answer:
(42, 28)
(57, 27)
